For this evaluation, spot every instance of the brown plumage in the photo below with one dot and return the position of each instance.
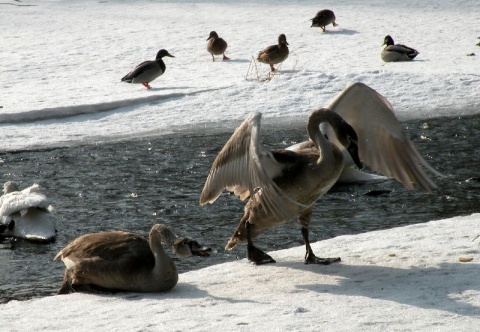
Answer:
(121, 261)
(216, 45)
(280, 184)
(275, 54)
(324, 18)
(283, 184)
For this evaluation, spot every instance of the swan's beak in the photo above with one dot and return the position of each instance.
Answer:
(353, 151)
(198, 250)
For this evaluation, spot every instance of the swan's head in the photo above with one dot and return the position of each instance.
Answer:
(348, 138)
(344, 133)
(9, 187)
(183, 247)
(186, 247)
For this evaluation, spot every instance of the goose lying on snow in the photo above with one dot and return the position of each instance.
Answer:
(121, 261)
(282, 184)
(148, 71)
(26, 214)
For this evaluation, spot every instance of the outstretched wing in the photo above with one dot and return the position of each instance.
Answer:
(382, 143)
(246, 167)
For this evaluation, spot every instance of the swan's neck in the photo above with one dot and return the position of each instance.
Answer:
(165, 270)
(313, 127)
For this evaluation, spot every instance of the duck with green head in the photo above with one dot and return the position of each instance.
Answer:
(148, 71)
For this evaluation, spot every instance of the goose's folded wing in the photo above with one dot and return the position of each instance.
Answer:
(382, 143)
(245, 166)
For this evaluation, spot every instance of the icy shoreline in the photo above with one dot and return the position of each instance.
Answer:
(407, 278)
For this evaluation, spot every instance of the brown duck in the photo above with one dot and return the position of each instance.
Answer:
(216, 46)
(323, 18)
(275, 54)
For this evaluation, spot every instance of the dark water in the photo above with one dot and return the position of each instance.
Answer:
(133, 184)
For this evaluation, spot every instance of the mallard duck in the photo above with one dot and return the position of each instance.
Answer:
(392, 52)
(275, 53)
(148, 71)
(121, 261)
(323, 18)
(216, 45)
(282, 184)
(26, 214)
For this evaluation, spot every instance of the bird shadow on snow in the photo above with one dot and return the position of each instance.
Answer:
(427, 288)
(238, 60)
(181, 290)
(168, 88)
(347, 32)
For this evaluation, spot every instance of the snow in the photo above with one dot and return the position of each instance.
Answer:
(403, 279)
(54, 70)
(61, 64)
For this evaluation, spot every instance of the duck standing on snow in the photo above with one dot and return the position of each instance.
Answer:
(148, 71)
(398, 52)
(323, 18)
(121, 261)
(26, 214)
(216, 45)
(283, 184)
(275, 53)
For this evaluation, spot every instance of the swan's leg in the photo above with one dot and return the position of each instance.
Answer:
(272, 68)
(213, 58)
(310, 257)
(225, 57)
(255, 255)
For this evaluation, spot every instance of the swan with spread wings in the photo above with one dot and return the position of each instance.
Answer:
(281, 184)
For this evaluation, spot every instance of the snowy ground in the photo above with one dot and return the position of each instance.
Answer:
(66, 58)
(402, 279)
(51, 69)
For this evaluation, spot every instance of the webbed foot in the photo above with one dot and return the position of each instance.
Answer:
(312, 259)
(257, 256)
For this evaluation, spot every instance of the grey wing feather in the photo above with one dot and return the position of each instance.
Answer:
(382, 142)
(246, 167)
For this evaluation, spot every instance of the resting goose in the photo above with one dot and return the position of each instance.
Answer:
(148, 71)
(26, 214)
(283, 184)
(323, 18)
(216, 45)
(396, 52)
(121, 261)
(275, 53)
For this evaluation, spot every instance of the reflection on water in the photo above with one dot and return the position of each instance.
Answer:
(131, 185)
